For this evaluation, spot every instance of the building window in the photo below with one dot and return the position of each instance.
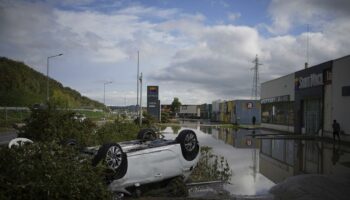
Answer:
(277, 113)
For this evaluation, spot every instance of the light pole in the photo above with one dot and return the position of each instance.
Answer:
(104, 91)
(47, 76)
(140, 110)
(137, 80)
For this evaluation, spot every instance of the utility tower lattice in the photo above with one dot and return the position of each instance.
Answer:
(256, 78)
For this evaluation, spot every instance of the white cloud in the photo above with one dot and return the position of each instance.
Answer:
(288, 14)
(179, 52)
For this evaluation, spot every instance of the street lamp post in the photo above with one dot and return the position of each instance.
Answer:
(104, 91)
(47, 76)
(140, 111)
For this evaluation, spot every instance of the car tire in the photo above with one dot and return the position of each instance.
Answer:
(113, 157)
(189, 144)
(70, 142)
(18, 142)
(147, 134)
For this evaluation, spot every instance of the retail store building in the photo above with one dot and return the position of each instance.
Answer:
(307, 101)
(244, 111)
(277, 103)
(190, 111)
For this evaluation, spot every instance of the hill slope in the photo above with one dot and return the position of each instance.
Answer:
(21, 85)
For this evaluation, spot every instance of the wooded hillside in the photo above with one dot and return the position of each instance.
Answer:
(21, 85)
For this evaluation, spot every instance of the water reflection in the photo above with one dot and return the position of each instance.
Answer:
(258, 164)
(280, 159)
(242, 153)
(238, 138)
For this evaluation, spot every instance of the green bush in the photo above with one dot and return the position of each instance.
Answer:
(165, 117)
(49, 171)
(211, 167)
(48, 124)
(116, 131)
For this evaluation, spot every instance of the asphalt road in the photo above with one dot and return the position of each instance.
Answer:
(5, 137)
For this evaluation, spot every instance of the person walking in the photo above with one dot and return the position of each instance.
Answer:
(253, 120)
(336, 130)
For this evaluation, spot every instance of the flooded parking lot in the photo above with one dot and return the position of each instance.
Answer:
(259, 163)
(242, 154)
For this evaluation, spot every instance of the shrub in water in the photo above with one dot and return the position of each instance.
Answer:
(211, 167)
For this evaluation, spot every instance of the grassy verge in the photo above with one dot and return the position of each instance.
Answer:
(93, 115)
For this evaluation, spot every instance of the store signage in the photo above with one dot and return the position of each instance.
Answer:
(310, 81)
(152, 91)
(249, 105)
(275, 99)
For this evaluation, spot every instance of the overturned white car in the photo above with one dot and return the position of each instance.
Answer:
(146, 160)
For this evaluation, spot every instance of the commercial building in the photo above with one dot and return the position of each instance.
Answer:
(239, 111)
(244, 111)
(205, 111)
(307, 101)
(338, 107)
(277, 103)
(215, 115)
(310, 86)
(190, 111)
(226, 111)
(153, 102)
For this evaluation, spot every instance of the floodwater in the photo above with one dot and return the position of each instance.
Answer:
(259, 164)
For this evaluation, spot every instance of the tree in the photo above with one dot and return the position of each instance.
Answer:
(175, 105)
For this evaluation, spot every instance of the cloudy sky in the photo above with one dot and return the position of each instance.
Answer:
(197, 50)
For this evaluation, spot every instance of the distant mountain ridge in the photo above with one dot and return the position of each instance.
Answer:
(21, 85)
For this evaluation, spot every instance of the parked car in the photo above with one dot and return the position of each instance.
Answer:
(148, 159)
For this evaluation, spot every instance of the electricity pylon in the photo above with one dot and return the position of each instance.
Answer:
(256, 78)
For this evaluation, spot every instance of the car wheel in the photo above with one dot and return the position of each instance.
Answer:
(189, 144)
(147, 135)
(19, 142)
(113, 157)
(70, 142)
